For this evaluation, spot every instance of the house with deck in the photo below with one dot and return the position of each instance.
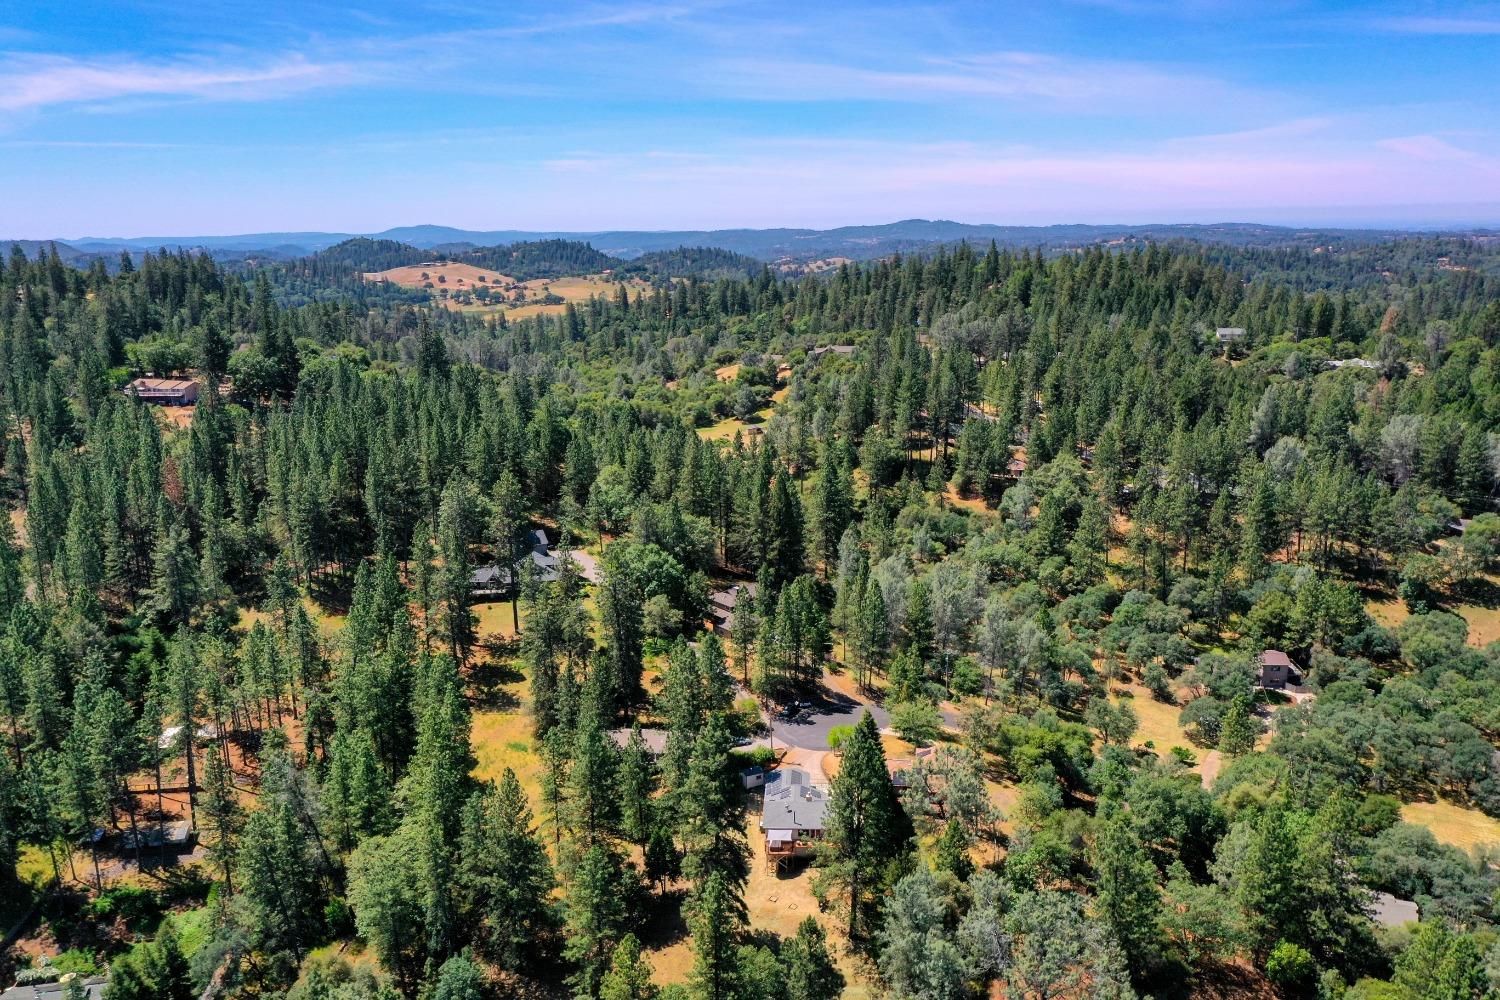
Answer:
(496, 580)
(794, 814)
(164, 391)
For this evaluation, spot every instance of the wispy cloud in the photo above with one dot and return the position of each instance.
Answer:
(804, 179)
(1441, 25)
(1056, 80)
(1430, 148)
(30, 82)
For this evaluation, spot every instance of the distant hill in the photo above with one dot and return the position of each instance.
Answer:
(364, 254)
(709, 263)
(765, 245)
(540, 259)
(66, 253)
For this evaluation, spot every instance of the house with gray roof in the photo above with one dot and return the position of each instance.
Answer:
(794, 813)
(93, 989)
(495, 580)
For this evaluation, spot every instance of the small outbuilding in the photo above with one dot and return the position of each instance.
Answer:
(1277, 670)
(655, 739)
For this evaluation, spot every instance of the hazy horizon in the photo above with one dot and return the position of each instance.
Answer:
(698, 114)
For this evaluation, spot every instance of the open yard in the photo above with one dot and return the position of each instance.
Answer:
(1453, 824)
(440, 274)
(1483, 615)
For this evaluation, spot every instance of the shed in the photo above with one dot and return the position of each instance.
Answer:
(753, 777)
(655, 739)
(1229, 334)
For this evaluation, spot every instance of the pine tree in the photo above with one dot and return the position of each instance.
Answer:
(629, 975)
(636, 787)
(506, 876)
(1237, 731)
(952, 851)
(1126, 890)
(715, 923)
(223, 817)
(783, 540)
(598, 907)
(810, 971)
(866, 828)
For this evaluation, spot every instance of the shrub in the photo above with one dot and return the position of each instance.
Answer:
(967, 677)
(1290, 966)
(136, 906)
(759, 756)
(76, 960)
(38, 974)
(837, 735)
(917, 721)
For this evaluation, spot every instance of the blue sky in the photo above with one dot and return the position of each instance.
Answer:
(221, 116)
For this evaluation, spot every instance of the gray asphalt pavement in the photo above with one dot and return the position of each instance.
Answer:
(809, 730)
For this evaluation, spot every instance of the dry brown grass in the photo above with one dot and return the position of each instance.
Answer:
(1484, 622)
(728, 373)
(1453, 824)
(458, 276)
(501, 740)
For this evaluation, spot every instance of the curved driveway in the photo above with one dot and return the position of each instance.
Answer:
(809, 731)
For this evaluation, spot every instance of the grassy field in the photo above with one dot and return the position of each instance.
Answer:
(516, 299)
(455, 275)
(501, 740)
(1159, 722)
(1484, 620)
(329, 624)
(1453, 824)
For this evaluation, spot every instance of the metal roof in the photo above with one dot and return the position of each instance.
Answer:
(793, 801)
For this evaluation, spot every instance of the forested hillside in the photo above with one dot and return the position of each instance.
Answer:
(1028, 528)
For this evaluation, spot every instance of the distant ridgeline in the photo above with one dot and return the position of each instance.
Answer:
(525, 261)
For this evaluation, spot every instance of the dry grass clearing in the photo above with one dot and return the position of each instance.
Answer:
(726, 429)
(495, 620)
(517, 299)
(1484, 622)
(728, 373)
(453, 275)
(1453, 824)
(575, 289)
(974, 505)
(1160, 723)
(501, 740)
(329, 625)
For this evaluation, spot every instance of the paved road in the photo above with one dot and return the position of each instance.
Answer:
(809, 731)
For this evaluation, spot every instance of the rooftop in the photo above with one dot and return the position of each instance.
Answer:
(793, 802)
(655, 739)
